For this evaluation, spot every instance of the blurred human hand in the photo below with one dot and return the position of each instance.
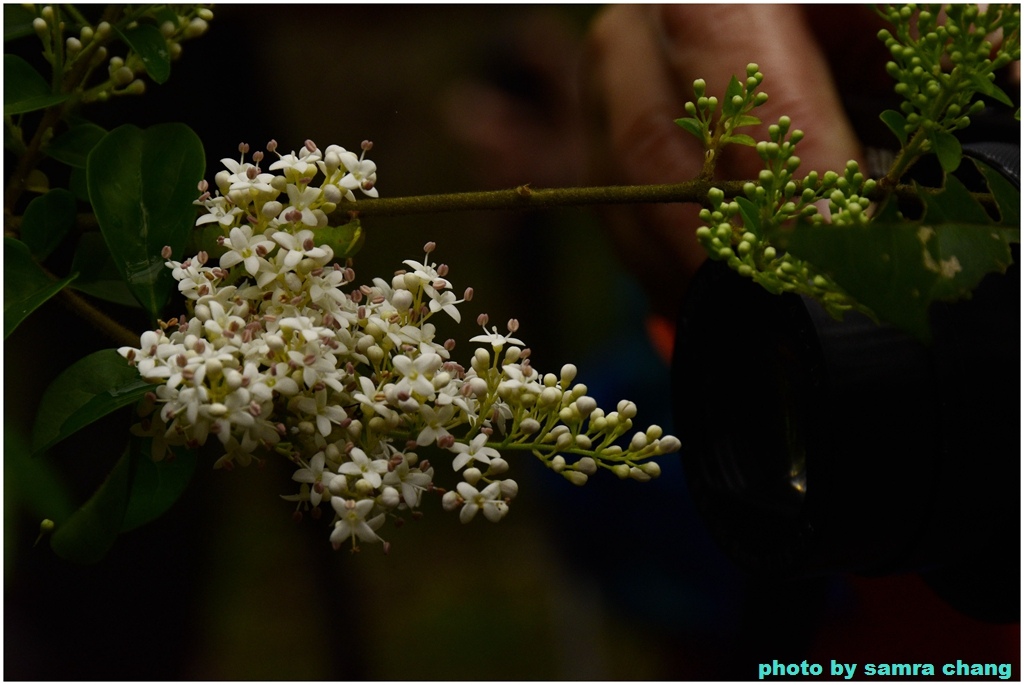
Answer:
(642, 61)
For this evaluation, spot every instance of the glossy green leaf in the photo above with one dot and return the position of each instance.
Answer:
(78, 184)
(151, 46)
(26, 285)
(97, 273)
(953, 204)
(988, 88)
(745, 120)
(1006, 195)
(739, 139)
(86, 391)
(74, 145)
(732, 90)
(899, 268)
(155, 485)
(345, 240)
(947, 148)
(25, 90)
(751, 217)
(31, 482)
(896, 123)
(204, 239)
(693, 126)
(90, 532)
(141, 185)
(17, 21)
(48, 218)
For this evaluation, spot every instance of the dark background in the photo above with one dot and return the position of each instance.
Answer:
(617, 580)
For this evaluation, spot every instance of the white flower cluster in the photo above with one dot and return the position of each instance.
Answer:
(280, 354)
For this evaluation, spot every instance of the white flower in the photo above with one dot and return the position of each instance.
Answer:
(352, 523)
(413, 482)
(416, 374)
(475, 450)
(496, 340)
(314, 476)
(324, 413)
(362, 174)
(298, 246)
(220, 210)
(435, 420)
(446, 301)
(488, 500)
(361, 465)
(243, 246)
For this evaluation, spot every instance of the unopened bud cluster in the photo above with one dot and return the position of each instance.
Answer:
(738, 231)
(73, 47)
(715, 129)
(943, 56)
(279, 353)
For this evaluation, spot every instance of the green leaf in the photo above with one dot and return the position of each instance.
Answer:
(693, 126)
(151, 46)
(899, 269)
(26, 285)
(745, 120)
(735, 88)
(947, 149)
(97, 273)
(1006, 195)
(86, 391)
(739, 139)
(17, 21)
(78, 184)
(896, 122)
(954, 203)
(31, 482)
(74, 145)
(90, 532)
(25, 90)
(155, 485)
(137, 491)
(345, 240)
(141, 186)
(750, 214)
(985, 87)
(48, 218)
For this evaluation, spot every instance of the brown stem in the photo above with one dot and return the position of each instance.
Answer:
(100, 320)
